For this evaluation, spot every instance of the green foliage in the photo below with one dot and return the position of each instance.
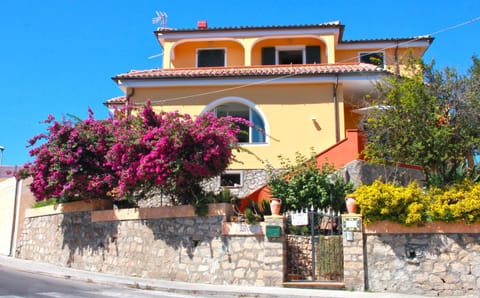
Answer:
(200, 203)
(251, 216)
(44, 203)
(413, 205)
(303, 185)
(266, 207)
(457, 175)
(431, 119)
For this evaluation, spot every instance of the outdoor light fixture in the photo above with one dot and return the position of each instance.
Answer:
(1, 156)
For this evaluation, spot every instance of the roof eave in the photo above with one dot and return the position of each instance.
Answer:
(335, 24)
(245, 80)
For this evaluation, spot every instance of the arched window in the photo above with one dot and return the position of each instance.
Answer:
(242, 109)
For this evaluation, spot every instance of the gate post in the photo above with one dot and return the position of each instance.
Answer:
(353, 255)
(274, 250)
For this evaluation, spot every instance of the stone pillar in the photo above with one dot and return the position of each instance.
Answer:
(274, 251)
(353, 255)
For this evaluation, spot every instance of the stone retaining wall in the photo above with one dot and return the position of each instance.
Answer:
(435, 259)
(190, 249)
(423, 260)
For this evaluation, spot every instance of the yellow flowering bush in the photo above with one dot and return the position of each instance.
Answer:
(386, 201)
(412, 205)
(459, 201)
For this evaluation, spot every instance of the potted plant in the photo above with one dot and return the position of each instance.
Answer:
(278, 187)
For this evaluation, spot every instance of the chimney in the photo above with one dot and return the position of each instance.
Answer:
(202, 24)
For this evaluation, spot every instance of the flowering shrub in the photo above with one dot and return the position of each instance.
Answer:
(386, 201)
(129, 155)
(459, 201)
(173, 151)
(70, 163)
(412, 205)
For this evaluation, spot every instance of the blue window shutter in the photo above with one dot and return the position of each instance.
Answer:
(258, 131)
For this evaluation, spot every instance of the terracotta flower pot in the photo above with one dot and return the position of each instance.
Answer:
(351, 204)
(275, 205)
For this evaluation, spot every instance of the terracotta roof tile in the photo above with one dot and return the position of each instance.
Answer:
(116, 100)
(394, 39)
(334, 24)
(244, 28)
(251, 71)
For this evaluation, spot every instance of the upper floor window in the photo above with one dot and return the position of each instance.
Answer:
(210, 57)
(290, 55)
(247, 134)
(375, 58)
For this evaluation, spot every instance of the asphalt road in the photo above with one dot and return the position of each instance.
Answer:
(14, 283)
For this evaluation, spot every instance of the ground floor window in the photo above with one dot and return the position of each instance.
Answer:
(231, 179)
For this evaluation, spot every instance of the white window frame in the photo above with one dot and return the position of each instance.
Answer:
(207, 49)
(360, 54)
(234, 99)
(279, 49)
(228, 172)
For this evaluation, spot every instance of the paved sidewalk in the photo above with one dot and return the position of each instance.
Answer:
(183, 287)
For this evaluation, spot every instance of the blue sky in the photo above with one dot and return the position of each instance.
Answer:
(58, 56)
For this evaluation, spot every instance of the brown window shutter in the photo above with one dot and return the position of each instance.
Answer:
(268, 56)
(313, 54)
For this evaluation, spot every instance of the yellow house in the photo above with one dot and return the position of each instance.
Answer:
(298, 84)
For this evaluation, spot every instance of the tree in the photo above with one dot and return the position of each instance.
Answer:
(430, 119)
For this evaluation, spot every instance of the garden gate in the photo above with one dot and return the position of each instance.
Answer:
(314, 247)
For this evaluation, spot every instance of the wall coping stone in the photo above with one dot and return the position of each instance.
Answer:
(69, 207)
(437, 227)
(219, 209)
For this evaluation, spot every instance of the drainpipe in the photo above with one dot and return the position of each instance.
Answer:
(129, 95)
(335, 104)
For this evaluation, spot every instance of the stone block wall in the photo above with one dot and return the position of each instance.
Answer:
(433, 263)
(353, 255)
(190, 249)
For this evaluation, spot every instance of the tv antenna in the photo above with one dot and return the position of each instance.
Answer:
(161, 19)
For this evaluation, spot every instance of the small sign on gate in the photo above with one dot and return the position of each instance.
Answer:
(299, 219)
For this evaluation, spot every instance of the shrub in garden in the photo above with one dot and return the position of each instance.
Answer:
(302, 184)
(69, 164)
(126, 156)
(413, 205)
(387, 201)
(458, 201)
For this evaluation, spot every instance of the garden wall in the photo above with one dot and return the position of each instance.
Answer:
(166, 243)
(438, 259)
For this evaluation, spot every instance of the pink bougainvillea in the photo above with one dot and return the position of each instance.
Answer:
(125, 155)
